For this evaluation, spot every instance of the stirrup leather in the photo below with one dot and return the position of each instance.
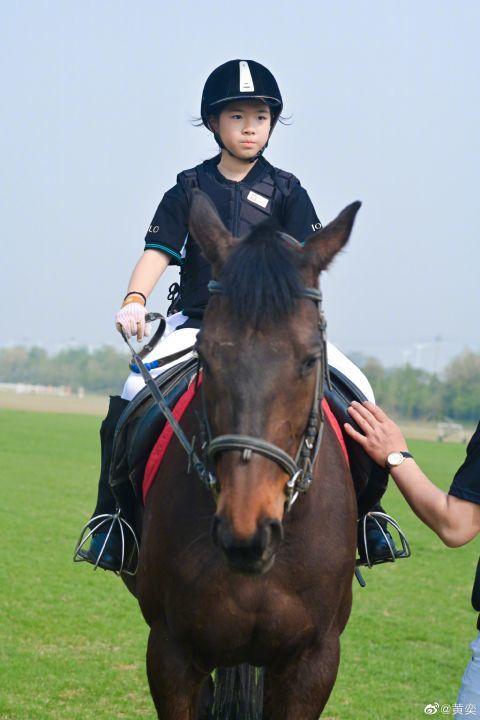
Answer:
(375, 515)
(128, 565)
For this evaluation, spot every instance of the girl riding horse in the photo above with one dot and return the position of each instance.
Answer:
(241, 105)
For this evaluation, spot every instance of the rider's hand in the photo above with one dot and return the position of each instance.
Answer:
(380, 436)
(131, 318)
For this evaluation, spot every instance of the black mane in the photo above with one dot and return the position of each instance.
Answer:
(261, 277)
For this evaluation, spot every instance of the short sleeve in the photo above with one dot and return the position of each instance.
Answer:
(169, 227)
(299, 219)
(466, 483)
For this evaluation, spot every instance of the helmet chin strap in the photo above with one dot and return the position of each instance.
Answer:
(247, 161)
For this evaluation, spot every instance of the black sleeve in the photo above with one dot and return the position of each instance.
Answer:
(466, 483)
(299, 218)
(169, 227)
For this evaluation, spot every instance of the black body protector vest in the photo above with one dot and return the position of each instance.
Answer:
(241, 206)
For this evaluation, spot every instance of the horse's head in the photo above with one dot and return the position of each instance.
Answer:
(260, 347)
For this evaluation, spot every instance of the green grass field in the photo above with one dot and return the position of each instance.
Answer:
(72, 642)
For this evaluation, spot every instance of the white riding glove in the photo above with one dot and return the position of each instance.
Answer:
(132, 319)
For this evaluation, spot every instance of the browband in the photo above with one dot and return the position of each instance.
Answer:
(216, 288)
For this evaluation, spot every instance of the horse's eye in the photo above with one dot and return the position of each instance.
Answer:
(309, 363)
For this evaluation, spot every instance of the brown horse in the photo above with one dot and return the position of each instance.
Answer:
(236, 579)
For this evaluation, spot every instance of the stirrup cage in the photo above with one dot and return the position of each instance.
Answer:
(128, 565)
(376, 516)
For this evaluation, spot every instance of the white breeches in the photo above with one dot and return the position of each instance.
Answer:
(341, 362)
(175, 340)
(172, 341)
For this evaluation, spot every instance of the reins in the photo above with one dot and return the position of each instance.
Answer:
(193, 460)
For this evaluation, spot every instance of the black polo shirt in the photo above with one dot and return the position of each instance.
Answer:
(264, 192)
(466, 486)
(466, 483)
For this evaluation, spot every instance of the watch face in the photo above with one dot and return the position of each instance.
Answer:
(395, 458)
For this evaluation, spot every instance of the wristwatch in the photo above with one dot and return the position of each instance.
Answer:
(394, 459)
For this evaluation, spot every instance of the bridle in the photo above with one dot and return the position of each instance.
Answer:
(300, 469)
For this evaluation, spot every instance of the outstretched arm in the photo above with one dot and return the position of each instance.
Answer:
(455, 521)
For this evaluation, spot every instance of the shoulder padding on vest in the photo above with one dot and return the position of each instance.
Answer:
(188, 179)
(285, 181)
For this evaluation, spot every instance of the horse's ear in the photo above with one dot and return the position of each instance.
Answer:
(321, 248)
(209, 231)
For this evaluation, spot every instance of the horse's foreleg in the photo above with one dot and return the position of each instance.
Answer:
(175, 684)
(301, 688)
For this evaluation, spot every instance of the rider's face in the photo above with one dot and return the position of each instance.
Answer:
(244, 126)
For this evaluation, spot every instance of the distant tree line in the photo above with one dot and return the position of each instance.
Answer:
(406, 391)
(410, 392)
(101, 371)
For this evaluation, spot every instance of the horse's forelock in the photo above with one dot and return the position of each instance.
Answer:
(262, 277)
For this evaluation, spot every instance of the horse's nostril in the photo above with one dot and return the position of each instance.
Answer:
(275, 530)
(270, 534)
(265, 536)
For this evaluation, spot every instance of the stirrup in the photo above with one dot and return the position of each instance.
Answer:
(405, 552)
(128, 566)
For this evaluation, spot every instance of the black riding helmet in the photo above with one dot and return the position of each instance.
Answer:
(240, 79)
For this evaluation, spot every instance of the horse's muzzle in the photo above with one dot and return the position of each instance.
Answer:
(254, 555)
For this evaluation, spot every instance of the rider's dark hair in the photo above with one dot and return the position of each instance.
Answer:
(262, 277)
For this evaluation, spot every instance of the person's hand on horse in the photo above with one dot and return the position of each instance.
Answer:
(380, 435)
(131, 319)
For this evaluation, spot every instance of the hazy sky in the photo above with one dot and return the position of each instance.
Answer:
(97, 99)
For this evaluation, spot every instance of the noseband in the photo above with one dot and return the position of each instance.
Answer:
(300, 468)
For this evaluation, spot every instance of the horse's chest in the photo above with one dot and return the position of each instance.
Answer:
(250, 623)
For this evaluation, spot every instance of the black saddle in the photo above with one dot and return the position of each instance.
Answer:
(370, 479)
